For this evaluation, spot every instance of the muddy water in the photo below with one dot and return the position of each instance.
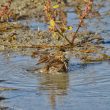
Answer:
(84, 87)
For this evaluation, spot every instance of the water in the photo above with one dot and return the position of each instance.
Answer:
(84, 87)
(34, 25)
(87, 87)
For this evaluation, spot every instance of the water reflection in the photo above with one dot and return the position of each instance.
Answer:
(2, 107)
(55, 86)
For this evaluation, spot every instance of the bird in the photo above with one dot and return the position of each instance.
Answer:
(54, 63)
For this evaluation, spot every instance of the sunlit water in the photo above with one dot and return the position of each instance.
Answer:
(84, 87)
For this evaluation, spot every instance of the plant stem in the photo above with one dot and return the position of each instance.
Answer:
(75, 34)
(64, 37)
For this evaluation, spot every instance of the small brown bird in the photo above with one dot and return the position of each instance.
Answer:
(54, 63)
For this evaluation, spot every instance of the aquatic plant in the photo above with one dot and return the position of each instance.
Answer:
(56, 16)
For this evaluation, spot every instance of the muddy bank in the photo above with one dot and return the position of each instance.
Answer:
(14, 31)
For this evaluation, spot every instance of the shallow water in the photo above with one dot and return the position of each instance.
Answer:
(87, 87)
(84, 87)
(33, 24)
